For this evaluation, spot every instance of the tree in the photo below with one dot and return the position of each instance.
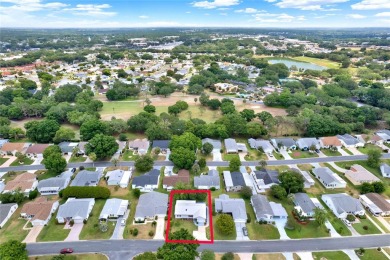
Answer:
(320, 216)
(64, 134)
(187, 140)
(234, 164)
(255, 129)
(179, 251)
(12, 197)
(182, 157)
(150, 109)
(53, 160)
(291, 181)
(225, 224)
(174, 110)
(263, 163)
(146, 256)
(102, 145)
(195, 168)
(115, 161)
(144, 163)
(13, 250)
(85, 192)
(278, 192)
(136, 193)
(42, 131)
(91, 128)
(202, 162)
(248, 114)
(207, 148)
(374, 156)
(264, 116)
(246, 193)
(93, 158)
(67, 93)
(214, 104)
(207, 255)
(228, 256)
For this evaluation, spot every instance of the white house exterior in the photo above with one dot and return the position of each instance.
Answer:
(6, 211)
(329, 179)
(190, 209)
(114, 208)
(342, 204)
(118, 178)
(385, 170)
(77, 210)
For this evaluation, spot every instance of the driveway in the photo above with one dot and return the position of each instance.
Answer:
(33, 234)
(74, 232)
(242, 156)
(217, 156)
(344, 153)
(280, 224)
(384, 223)
(285, 154)
(160, 228)
(200, 234)
(355, 151)
(240, 234)
(118, 231)
(10, 160)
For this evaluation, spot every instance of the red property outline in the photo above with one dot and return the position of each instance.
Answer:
(210, 205)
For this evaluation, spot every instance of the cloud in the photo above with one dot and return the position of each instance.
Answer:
(143, 17)
(224, 14)
(356, 16)
(30, 5)
(371, 5)
(384, 14)
(91, 10)
(247, 10)
(215, 3)
(310, 5)
(271, 1)
(277, 18)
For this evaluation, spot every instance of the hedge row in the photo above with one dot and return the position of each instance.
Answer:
(85, 192)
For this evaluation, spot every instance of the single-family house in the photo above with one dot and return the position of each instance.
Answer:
(82, 148)
(6, 211)
(329, 179)
(206, 182)
(118, 178)
(342, 204)
(233, 181)
(86, 178)
(304, 205)
(113, 209)
(121, 146)
(140, 146)
(36, 150)
(378, 138)
(384, 134)
(67, 147)
(385, 170)
(265, 178)
(309, 181)
(330, 141)
(284, 143)
(234, 207)
(13, 148)
(265, 210)
(232, 146)
(77, 210)
(349, 141)
(183, 176)
(376, 204)
(39, 212)
(217, 145)
(147, 182)
(357, 174)
(150, 205)
(305, 143)
(265, 145)
(26, 182)
(54, 185)
(190, 209)
(162, 144)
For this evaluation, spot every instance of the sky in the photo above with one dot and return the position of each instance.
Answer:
(194, 13)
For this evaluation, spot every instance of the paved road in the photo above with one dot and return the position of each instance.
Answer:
(125, 249)
(222, 164)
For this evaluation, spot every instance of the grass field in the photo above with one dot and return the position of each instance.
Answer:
(322, 62)
(3, 160)
(228, 157)
(74, 159)
(372, 254)
(53, 232)
(329, 152)
(372, 229)
(332, 255)
(369, 147)
(72, 257)
(177, 224)
(302, 154)
(26, 161)
(13, 229)
(278, 156)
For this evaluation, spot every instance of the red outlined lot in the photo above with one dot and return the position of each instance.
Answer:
(210, 205)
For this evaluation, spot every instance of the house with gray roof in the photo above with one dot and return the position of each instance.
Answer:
(6, 211)
(233, 181)
(349, 141)
(86, 178)
(305, 143)
(265, 178)
(265, 145)
(304, 205)
(52, 186)
(385, 170)
(3, 141)
(77, 210)
(150, 205)
(67, 147)
(234, 207)
(329, 179)
(113, 209)
(217, 145)
(206, 182)
(162, 144)
(265, 210)
(284, 143)
(118, 178)
(231, 146)
(384, 134)
(342, 204)
(147, 182)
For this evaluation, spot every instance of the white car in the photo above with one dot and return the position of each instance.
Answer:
(347, 222)
(123, 222)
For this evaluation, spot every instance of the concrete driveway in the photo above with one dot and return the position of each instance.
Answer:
(217, 156)
(344, 153)
(242, 156)
(200, 234)
(33, 234)
(118, 231)
(355, 151)
(75, 231)
(240, 234)
(285, 154)
(280, 224)
(160, 228)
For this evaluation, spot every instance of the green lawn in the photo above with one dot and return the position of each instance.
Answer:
(177, 224)
(278, 156)
(379, 223)
(13, 229)
(3, 160)
(372, 229)
(368, 147)
(228, 157)
(347, 151)
(373, 254)
(91, 229)
(217, 234)
(255, 155)
(321, 62)
(302, 154)
(75, 159)
(128, 155)
(331, 255)
(329, 152)
(53, 232)
(26, 161)
(43, 175)
(72, 257)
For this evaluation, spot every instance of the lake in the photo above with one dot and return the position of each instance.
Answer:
(298, 64)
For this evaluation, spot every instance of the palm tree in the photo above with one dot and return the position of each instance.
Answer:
(263, 163)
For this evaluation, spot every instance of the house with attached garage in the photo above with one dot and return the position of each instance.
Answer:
(234, 207)
(267, 211)
(342, 204)
(77, 210)
(217, 145)
(329, 142)
(357, 174)
(305, 143)
(384, 134)
(6, 211)
(113, 209)
(349, 141)
(86, 178)
(151, 205)
(118, 178)
(376, 204)
(162, 144)
(304, 205)
(36, 150)
(265, 145)
(329, 179)
(147, 182)
(231, 146)
(13, 148)
(139, 146)
(265, 178)
(284, 143)
(24, 182)
(39, 212)
(206, 182)
(385, 170)
(67, 147)
(190, 209)
(183, 176)
(234, 181)
(54, 185)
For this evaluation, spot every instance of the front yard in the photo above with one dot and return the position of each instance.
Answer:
(217, 234)
(329, 152)
(371, 254)
(143, 231)
(365, 227)
(72, 257)
(229, 156)
(129, 155)
(53, 232)
(278, 156)
(75, 159)
(3, 160)
(177, 224)
(332, 255)
(368, 147)
(303, 154)
(25, 161)
(13, 229)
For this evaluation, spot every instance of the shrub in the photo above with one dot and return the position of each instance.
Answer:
(225, 224)
(228, 256)
(85, 221)
(33, 194)
(122, 137)
(135, 232)
(86, 192)
(351, 218)
(246, 193)
(154, 223)
(151, 233)
(365, 227)
(136, 193)
(248, 218)
(212, 188)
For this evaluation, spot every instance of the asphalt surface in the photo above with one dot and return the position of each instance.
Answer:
(126, 249)
(221, 164)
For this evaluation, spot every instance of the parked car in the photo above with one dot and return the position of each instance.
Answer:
(73, 170)
(245, 231)
(123, 222)
(317, 151)
(347, 222)
(66, 251)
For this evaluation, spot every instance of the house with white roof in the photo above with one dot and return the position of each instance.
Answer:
(305, 143)
(329, 179)
(113, 209)
(385, 170)
(231, 146)
(342, 204)
(77, 210)
(265, 145)
(357, 174)
(190, 209)
(349, 141)
(118, 178)
(234, 207)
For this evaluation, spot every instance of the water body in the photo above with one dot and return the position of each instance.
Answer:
(298, 64)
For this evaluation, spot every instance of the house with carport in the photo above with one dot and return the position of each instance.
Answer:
(304, 205)
(267, 211)
(376, 204)
(342, 204)
(118, 177)
(147, 182)
(329, 179)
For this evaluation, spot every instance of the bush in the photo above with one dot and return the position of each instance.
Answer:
(86, 192)
(122, 137)
(136, 193)
(228, 256)
(33, 194)
(351, 218)
(146, 256)
(248, 218)
(246, 193)
(213, 189)
(151, 233)
(202, 163)
(365, 227)
(135, 232)
(207, 255)
(225, 224)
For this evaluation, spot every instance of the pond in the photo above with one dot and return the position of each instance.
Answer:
(298, 64)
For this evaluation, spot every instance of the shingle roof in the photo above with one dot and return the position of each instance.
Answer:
(230, 144)
(74, 208)
(287, 142)
(264, 144)
(163, 144)
(190, 207)
(114, 207)
(40, 208)
(86, 178)
(10, 147)
(210, 180)
(4, 210)
(344, 203)
(348, 139)
(151, 204)
(268, 176)
(23, 181)
(236, 207)
(325, 174)
(385, 168)
(149, 178)
(182, 176)
(379, 201)
(141, 144)
(330, 141)
(302, 200)
(51, 182)
(216, 143)
(307, 142)
(115, 175)
(37, 148)
(261, 205)
(237, 178)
